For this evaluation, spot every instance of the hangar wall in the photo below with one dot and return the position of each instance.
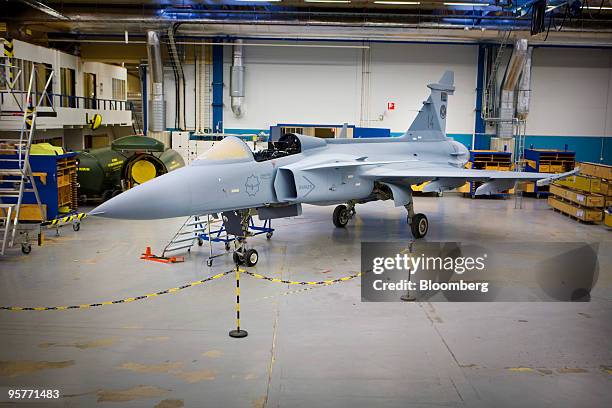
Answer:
(572, 102)
(326, 85)
(296, 85)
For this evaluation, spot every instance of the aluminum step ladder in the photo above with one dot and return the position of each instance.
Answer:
(189, 233)
(16, 174)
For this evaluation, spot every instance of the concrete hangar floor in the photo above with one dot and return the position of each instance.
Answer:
(314, 347)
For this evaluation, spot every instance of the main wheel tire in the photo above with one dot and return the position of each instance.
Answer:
(341, 216)
(419, 225)
(269, 235)
(251, 257)
(26, 248)
(76, 226)
(237, 258)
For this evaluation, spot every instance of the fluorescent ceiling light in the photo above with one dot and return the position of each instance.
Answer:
(327, 1)
(467, 4)
(597, 8)
(401, 3)
(258, 1)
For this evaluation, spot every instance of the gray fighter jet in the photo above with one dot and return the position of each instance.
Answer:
(273, 183)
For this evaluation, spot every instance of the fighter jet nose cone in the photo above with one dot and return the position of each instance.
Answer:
(163, 197)
(96, 212)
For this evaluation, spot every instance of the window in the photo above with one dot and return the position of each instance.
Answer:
(43, 72)
(119, 89)
(68, 82)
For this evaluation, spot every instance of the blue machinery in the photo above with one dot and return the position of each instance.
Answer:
(212, 229)
(220, 234)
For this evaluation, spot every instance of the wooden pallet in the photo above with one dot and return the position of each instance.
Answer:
(596, 170)
(578, 197)
(584, 214)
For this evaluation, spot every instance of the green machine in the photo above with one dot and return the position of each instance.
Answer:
(103, 173)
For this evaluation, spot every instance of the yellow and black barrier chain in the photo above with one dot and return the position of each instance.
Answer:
(67, 218)
(126, 300)
(289, 282)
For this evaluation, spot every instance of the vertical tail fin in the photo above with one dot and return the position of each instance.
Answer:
(343, 131)
(430, 122)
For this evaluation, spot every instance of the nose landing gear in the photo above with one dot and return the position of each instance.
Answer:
(247, 257)
(343, 214)
(237, 224)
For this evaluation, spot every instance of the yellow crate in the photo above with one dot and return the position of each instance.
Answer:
(529, 187)
(608, 219)
(577, 211)
(582, 183)
(544, 168)
(419, 187)
(28, 212)
(556, 168)
(605, 188)
(464, 188)
(587, 200)
(64, 180)
(596, 170)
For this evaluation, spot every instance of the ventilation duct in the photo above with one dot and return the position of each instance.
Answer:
(157, 110)
(507, 102)
(179, 79)
(524, 92)
(237, 79)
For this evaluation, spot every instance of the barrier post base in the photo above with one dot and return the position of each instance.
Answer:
(238, 334)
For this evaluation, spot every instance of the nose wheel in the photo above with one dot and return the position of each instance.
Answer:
(248, 257)
(343, 214)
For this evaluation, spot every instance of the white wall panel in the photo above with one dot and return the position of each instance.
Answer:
(295, 85)
(571, 92)
(401, 72)
(323, 85)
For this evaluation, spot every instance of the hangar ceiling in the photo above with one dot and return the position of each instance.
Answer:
(573, 22)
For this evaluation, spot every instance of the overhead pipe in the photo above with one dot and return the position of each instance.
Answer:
(237, 79)
(157, 108)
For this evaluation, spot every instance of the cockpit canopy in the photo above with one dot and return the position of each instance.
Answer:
(234, 150)
(230, 150)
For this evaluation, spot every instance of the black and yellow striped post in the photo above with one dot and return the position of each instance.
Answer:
(9, 48)
(238, 333)
(29, 117)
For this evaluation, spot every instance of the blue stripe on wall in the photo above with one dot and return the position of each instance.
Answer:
(217, 87)
(587, 148)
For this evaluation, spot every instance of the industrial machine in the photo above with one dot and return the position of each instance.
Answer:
(129, 161)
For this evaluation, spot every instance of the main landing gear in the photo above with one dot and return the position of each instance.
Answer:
(419, 225)
(237, 224)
